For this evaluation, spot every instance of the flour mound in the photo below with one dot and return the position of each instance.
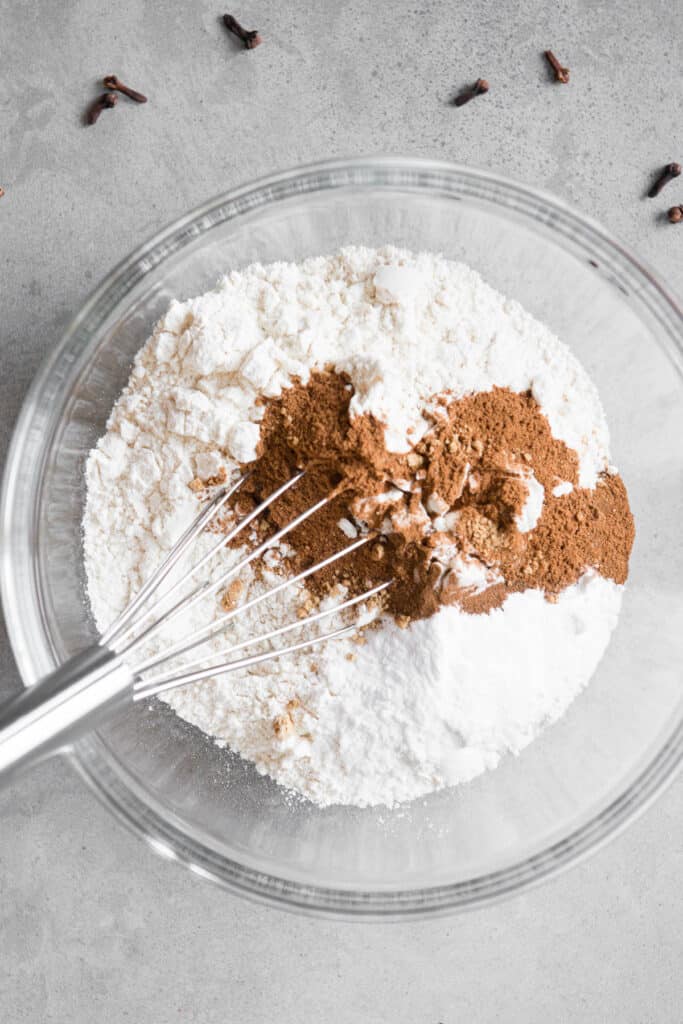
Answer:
(410, 710)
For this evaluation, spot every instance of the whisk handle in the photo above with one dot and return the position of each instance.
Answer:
(50, 714)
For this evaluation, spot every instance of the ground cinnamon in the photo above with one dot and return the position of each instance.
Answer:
(469, 472)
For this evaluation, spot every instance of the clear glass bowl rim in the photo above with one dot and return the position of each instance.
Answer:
(88, 756)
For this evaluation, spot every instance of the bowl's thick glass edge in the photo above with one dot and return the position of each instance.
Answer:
(34, 659)
(397, 905)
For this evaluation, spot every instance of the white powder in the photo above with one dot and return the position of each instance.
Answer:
(533, 505)
(472, 575)
(456, 692)
(414, 709)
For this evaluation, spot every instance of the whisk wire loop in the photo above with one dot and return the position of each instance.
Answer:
(130, 632)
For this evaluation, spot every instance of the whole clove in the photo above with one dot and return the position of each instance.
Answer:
(103, 102)
(112, 82)
(561, 74)
(666, 175)
(480, 87)
(249, 38)
(675, 214)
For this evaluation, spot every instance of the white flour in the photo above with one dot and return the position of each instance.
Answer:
(411, 710)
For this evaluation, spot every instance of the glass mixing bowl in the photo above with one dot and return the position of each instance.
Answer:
(586, 776)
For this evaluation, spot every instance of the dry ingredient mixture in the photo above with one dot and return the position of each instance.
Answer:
(449, 426)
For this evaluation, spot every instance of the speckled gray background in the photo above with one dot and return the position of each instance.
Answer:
(93, 927)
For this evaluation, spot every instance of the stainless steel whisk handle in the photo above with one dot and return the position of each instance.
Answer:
(53, 712)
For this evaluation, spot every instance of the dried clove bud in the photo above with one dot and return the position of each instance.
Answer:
(480, 87)
(561, 74)
(112, 82)
(675, 214)
(103, 102)
(249, 38)
(666, 175)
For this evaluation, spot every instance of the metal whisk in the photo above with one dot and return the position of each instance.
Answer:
(91, 685)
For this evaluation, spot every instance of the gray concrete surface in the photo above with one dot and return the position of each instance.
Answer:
(92, 925)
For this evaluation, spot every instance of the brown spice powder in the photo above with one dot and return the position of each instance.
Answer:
(212, 481)
(231, 596)
(472, 461)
